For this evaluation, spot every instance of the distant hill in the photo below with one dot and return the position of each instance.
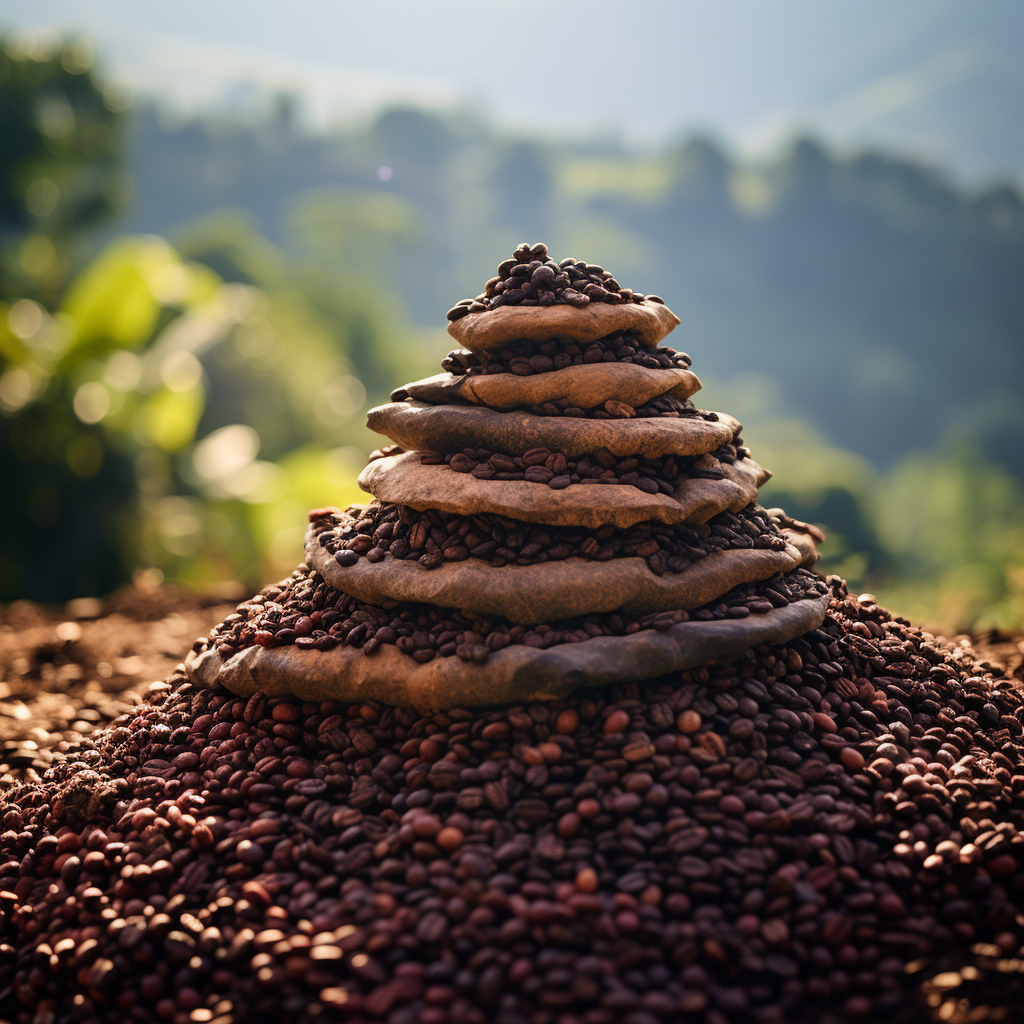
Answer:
(882, 303)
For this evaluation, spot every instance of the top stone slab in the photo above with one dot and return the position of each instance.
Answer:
(480, 332)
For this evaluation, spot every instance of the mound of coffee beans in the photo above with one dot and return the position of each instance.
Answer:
(308, 612)
(526, 358)
(825, 830)
(541, 465)
(530, 278)
(434, 538)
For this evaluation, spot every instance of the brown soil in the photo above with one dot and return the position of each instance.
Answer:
(67, 671)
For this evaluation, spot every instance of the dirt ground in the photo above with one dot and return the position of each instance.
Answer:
(66, 671)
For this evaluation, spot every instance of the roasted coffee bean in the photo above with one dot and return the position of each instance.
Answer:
(525, 358)
(448, 537)
(727, 844)
(424, 632)
(540, 278)
(649, 475)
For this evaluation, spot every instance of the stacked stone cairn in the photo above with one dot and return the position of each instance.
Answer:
(828, 828)
(554, 512)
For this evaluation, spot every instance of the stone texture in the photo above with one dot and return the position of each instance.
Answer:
(805, 537)
(514, 675)
(531, 594)
(417, 426)
(586, 386)
(480, 331)
(404, 480)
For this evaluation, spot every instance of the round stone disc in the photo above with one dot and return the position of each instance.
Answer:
(417, 426)
(405, 480)
(496, 327)
(515, 675)
(531, 594)
(586, 387)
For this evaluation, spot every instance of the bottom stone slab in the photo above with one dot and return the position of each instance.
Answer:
(511, 676)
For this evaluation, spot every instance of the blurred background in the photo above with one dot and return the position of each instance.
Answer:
(227, 230)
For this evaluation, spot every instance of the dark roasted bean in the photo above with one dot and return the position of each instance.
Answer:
(722, 843)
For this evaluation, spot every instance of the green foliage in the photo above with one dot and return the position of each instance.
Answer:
(162, 417)
(957, 525)
(60, 169)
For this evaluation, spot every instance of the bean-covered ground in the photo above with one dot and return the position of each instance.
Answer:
(826, 831)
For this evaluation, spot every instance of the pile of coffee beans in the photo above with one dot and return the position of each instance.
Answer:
(434, 538)
(530, 278)
(831, 827)
(526, 358)
(308, 612)
(558, 471)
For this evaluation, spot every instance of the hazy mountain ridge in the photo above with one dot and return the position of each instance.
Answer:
(884, 299)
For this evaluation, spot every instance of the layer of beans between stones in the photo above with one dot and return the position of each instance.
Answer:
(542, 466)
(530, 278)
(663, 406)
(434, 538)
(306, 611)
(783, 839)
(526, 358)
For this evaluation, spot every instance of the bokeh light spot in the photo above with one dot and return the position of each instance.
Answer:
(25, 319)
(79, 57)
(385, 173)
(91, 402)
(225, 451)
(123, 371)
(41, 197)
(342, 397)
(15, 389)
(55, 116)
(181, 371)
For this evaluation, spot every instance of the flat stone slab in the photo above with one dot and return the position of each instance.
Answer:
(404, 480)
(586, 386)
(549, 591)
(417, 426)
(496, 327)
(515, 675)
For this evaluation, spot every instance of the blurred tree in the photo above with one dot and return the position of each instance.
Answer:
(78, 401)
(60, 162)
(954, 523)
(133, 418)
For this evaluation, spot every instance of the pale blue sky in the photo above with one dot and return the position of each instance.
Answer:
(937, 78)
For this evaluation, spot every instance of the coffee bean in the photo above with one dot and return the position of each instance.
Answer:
(424, 632)
(616, 808)
(662, 475)
(673, 551)
(525, 358)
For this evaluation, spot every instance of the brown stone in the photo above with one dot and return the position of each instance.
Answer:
(517, 674)
(802, 536)
(585, 387)
(404, 479)
(481, 331)
(417, 426)
(704, 498)
(530, 594)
